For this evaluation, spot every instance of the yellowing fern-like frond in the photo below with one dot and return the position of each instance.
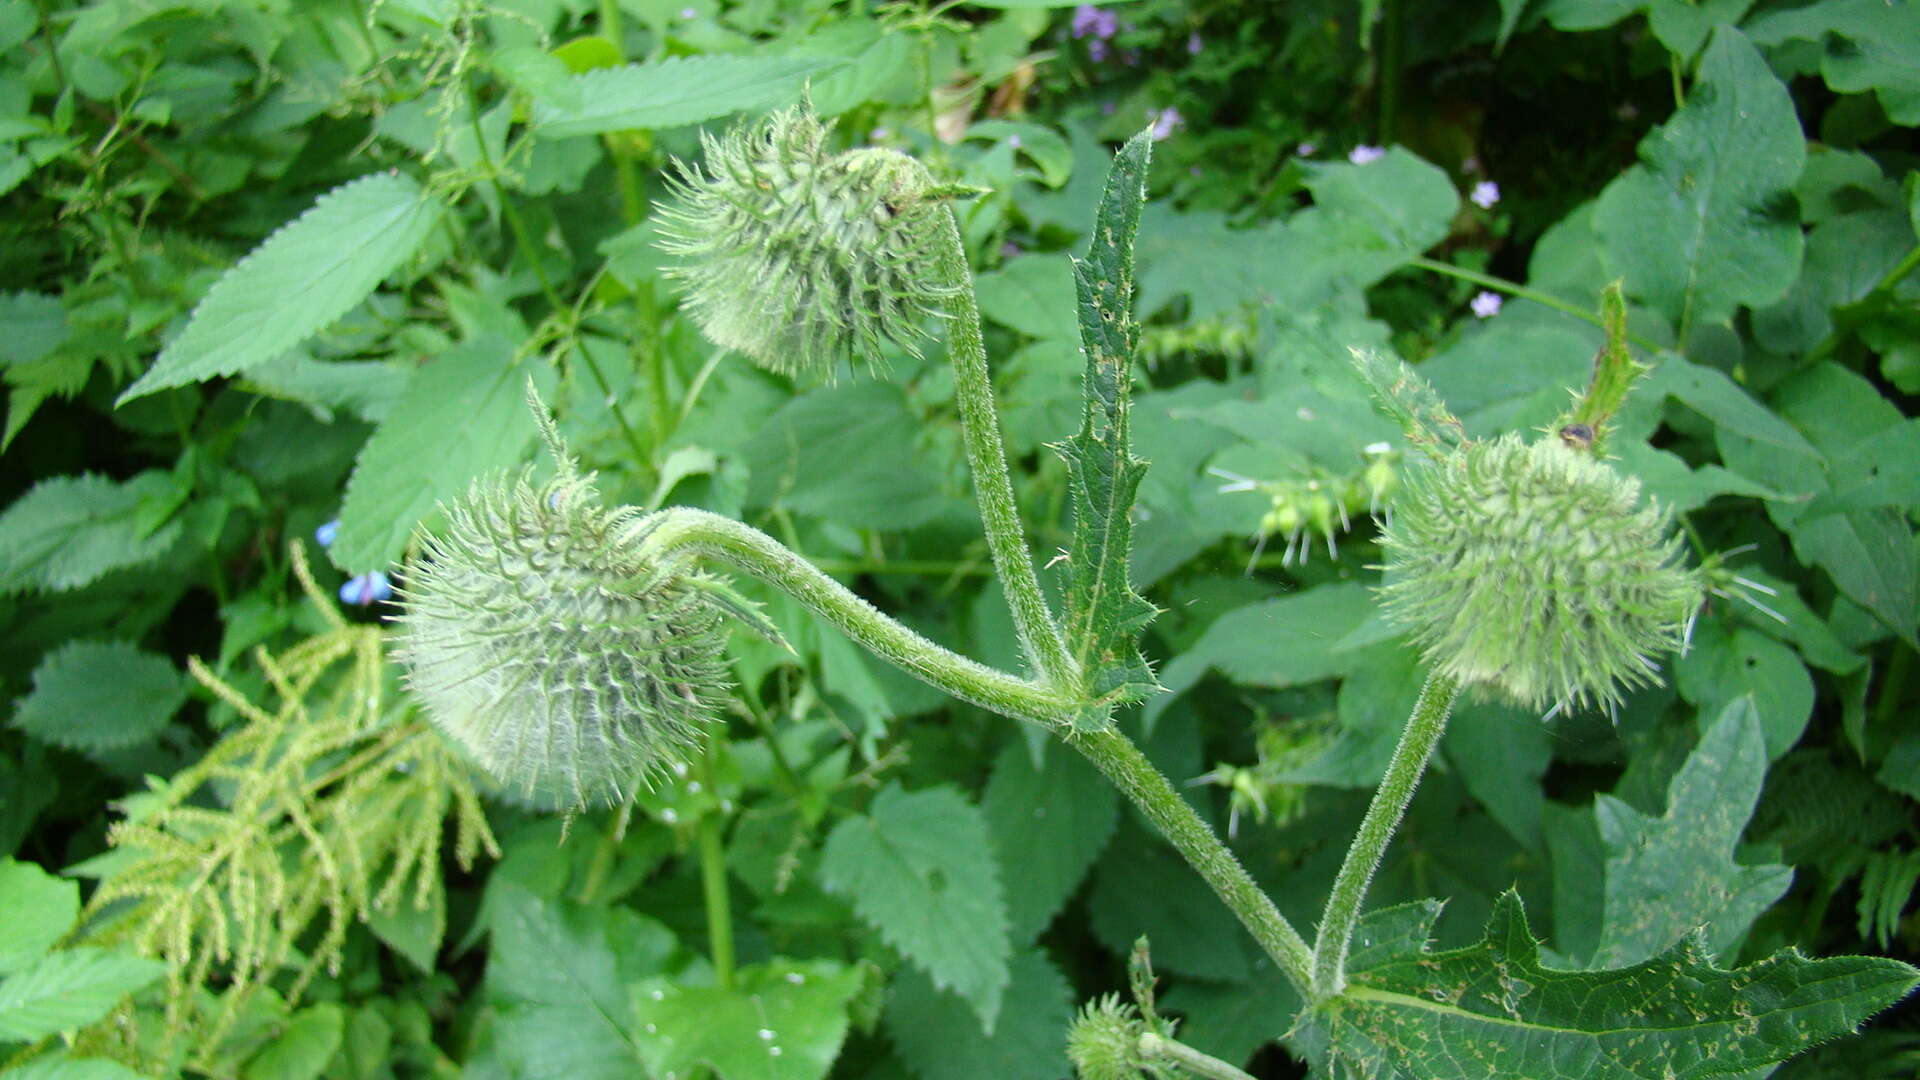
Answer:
(324, 806)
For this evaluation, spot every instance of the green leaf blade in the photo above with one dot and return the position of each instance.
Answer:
(462, 416)
(1104, 614)
(783, 1020)
(1669, 875)
(70, 531)
(672, 93)
(306, 275)
(90, 695)
(1707, 222)
(1492, 1009)
(918, 867)
(70, 989)
(42, 908)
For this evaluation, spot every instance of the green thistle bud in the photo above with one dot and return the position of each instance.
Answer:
(798, 257)
(1104, 1041)
(1535, 571)
(548, 648)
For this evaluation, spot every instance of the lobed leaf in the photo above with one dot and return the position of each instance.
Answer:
(1668, 876)
(313, 270)
(1104, 614)
(1492, 1008)
(70, 989)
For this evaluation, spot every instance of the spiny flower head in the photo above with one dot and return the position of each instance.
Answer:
(1104, 1041)
(1536, 571)
(798, 257)
(544, 643)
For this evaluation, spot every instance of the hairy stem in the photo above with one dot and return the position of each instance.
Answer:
(681, 532)
(1389, 804)
(1123, 763)
(1195, 1062)
(987, 460)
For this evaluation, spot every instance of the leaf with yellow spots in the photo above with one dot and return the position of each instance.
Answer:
(1492, 1008)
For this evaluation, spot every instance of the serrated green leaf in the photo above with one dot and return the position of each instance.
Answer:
(91, 695)
(1492, 1008)
(299, 280)
(1670, 875)
(942, 1039)
(71, 530)
(70, 989)
(676, 91)
(783, 1020)
(309, 1040)
(1049, 820)
(41, 908)
(918, 867)
(559, 974)
(1708, 222)
(1104, 615)
(463, 415)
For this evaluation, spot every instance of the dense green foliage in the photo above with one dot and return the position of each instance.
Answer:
(272, 267)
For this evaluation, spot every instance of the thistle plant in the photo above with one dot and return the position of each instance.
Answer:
(571, 647)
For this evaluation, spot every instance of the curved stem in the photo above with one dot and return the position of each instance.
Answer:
(1514, 288)
(1123, 763)
(679, 532)
(987, 460)
(1389, 804)
(713, 886)
(1195, 1062)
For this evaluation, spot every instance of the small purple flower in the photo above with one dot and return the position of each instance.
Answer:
(879, 134)
(1485, 194)
(1165, 121)
(1193, 43)
(1363, 155)
(1013, 141)
(1009, 249)
(324, 534)
(1097, 51)
(366, 589)
(1193, 171)
(1486, 305)
(1306, 149)
(1089, 20)
(1106, 108)
(688, 13)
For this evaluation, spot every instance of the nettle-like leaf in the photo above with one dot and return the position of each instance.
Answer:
(463, 415)
(299, 280)
(783, 1020)
(1668, 876)
(1868, 45)
(1492, 1009)
(70, 989)
(70, 531)
(1104, 614)
(918, 866)
(673, 92)
(1708, 222)
(91, 695)
(40, 910)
